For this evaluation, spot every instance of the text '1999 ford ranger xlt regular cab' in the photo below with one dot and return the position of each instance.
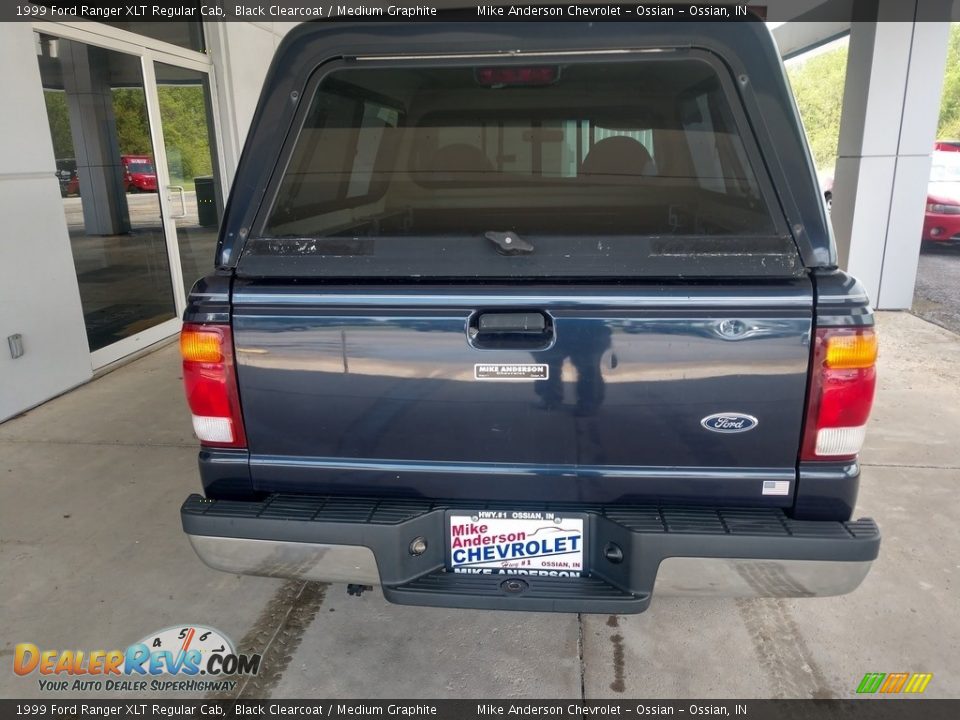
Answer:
(547, 328)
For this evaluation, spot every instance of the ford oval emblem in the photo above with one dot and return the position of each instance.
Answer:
(729, 422)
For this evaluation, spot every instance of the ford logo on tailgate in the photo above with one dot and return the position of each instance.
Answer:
(729, 422)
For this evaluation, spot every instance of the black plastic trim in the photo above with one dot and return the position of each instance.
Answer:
(209, 299)
(841, 301)
(225, 474)
(440, 589)
(826, 490)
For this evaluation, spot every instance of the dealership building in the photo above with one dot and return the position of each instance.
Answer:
(119, 142)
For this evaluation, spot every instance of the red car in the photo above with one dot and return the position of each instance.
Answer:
(947, 145)
(139, 174)
(71, 187)
(941, 221)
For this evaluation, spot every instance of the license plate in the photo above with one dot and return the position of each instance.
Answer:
(521, 542)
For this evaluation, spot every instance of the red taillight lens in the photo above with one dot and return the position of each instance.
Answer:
(210, 380)
(842, 385)
(503, 76)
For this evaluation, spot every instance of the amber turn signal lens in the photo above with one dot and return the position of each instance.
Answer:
(851, 352)
(201, 345)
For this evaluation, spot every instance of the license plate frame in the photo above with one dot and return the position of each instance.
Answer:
(552, 530)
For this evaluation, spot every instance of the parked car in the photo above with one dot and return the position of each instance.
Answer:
(139, 175)
(947, 145)
(941, 220)
(67, 177)
(554, 329)
(826, 187)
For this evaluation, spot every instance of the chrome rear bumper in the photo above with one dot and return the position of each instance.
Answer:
(671, 552)
(676, 577)
(276, 558)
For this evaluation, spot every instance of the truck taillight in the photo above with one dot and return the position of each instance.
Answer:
(842, 384)
(210, 380)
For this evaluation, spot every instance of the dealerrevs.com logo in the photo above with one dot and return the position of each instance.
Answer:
(178, 658)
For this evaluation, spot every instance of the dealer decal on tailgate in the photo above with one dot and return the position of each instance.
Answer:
(516, 543)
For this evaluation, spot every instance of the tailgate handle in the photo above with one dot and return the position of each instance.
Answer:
(527, 323)
(526, 330)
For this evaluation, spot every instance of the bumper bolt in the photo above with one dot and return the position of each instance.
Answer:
(418, 546)
(613, 553)
(514, 586)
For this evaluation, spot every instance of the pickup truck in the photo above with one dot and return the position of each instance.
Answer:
(530, 316)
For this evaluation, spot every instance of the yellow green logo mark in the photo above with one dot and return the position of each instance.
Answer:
(892, 683)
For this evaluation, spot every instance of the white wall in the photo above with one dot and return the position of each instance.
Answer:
(39, 296)
(241, 52)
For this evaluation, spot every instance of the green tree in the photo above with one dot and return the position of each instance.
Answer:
(818, 87)
(130, 115)
(184, 114)
(949, 126)
(59, 118)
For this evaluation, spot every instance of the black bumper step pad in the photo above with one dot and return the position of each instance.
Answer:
(770, 522)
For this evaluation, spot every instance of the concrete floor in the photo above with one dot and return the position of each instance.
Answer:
(92, 556)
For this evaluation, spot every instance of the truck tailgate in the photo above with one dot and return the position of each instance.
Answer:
(399, 389)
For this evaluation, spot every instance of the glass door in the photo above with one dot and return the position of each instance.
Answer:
(96, 101)
(192, 190)
(137, 163)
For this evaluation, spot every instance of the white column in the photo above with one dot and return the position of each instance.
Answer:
(890, 108)
(241, 53)
(86, 81)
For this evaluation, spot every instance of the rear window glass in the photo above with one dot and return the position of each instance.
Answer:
(591, 169)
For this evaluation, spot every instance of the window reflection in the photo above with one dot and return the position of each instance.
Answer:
(195, 197)
(97, 113)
